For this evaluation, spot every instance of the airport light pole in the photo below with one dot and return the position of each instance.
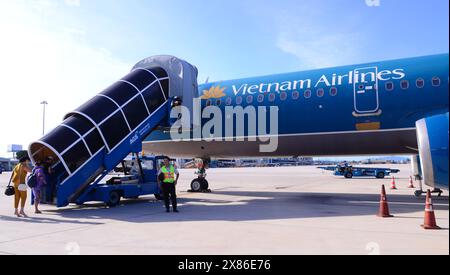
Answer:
(43, 103)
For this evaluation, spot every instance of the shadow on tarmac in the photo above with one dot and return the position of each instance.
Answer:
(42, 220)
(254, 206)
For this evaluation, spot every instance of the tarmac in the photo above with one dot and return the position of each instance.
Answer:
(251, 211)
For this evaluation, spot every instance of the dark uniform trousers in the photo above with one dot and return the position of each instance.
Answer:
(169, 190)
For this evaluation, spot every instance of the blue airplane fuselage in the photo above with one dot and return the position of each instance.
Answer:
(351, 110)
(377, 96)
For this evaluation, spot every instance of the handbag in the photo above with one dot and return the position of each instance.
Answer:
(10, 189)
(22, 187)
(31, 179)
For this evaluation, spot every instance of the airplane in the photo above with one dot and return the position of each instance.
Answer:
(397, 107)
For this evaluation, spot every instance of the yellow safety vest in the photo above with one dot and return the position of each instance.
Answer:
(169, 176)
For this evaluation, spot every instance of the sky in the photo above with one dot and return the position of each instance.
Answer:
(66, 51)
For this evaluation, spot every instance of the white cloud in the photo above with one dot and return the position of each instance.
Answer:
(317, 50)
(73, 3)
(316, 40)
(37, 64)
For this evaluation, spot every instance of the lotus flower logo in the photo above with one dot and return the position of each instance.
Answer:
(214, 92)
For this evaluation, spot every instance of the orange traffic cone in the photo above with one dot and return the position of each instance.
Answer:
(430, 218)
(384, 207)
(393, 185)
(411, 183)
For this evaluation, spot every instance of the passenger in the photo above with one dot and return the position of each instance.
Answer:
(48, 190)
(19, 176)
(167, 183)
(40, 183)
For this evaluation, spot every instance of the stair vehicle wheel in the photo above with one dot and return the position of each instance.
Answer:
(114, 199)
(418, 193)
(348, 175)
(380, 175)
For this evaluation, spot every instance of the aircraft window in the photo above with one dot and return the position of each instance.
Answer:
(272, 97)
(295, 95)
(238, 100)
(229, 101)
(389, 86)
(420, 83)
(249, 99)
(218, 102)
(308, 94)
(436, 81)
(283, 96)
(333, 91)
(320, 92)
(260, 98)
(404, 84)
(208, 102)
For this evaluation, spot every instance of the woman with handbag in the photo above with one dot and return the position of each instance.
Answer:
(40, 183)
(18, 178)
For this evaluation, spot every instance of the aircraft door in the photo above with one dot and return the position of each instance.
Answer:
(366, 96)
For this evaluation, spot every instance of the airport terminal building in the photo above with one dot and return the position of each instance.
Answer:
(7, 164)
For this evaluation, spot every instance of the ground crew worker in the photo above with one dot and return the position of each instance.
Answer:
(168, 183)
